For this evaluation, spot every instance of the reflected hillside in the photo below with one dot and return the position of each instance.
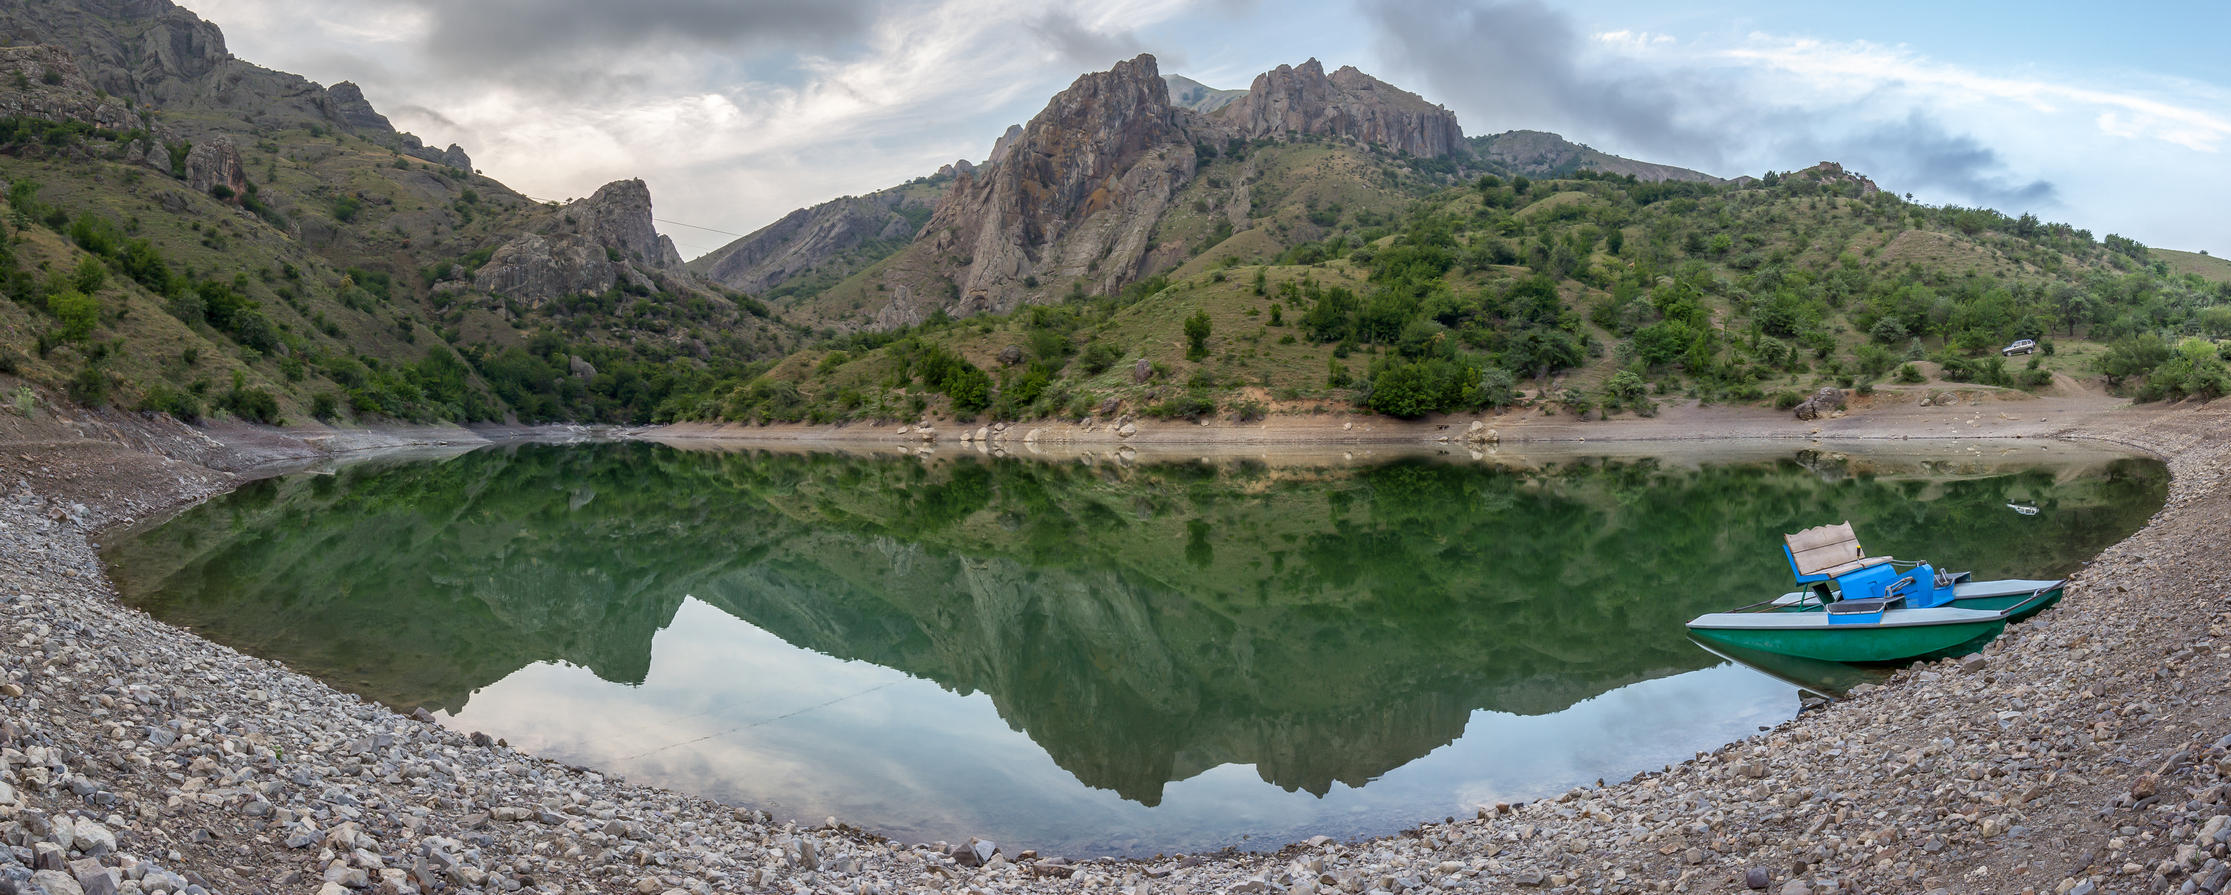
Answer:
(1140, 623)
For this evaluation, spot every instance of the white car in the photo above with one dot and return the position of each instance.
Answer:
(2020, 346)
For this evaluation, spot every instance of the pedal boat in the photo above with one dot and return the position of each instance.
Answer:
(1873, 609)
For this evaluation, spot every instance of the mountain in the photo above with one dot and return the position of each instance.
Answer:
(248, 242)
(1543, 154)
(813, 248)
(1116, 180)
(1199, 97)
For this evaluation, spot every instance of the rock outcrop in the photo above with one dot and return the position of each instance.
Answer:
(1348, 104)
(42, 81)
(1076, 196)
(1832, 174)
(586, 246)
(350, 108)
(213, 166)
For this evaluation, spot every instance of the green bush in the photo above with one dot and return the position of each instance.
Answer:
(90, 387)
(1910, 374)
(164, 399)
(75, 312)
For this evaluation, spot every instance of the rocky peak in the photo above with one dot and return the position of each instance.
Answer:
(1075, 194)
(1005, 142)
(618, 216)
(1348, 103)
(586, 246)
(348, 106)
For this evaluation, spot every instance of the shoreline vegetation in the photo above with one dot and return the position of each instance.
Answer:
(2020, 769)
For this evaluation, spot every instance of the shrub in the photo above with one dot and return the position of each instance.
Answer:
(1196, 336)
(90, 386)
(252, 404)
(1909, 374)
(1191, 406)
(1098, 357)
(76, 312)
(164, 399)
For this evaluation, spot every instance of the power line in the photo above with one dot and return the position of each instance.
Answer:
(696, 227)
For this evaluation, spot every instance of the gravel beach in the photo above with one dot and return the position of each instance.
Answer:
(2084, 752)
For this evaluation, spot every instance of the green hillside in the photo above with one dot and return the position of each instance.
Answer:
(315, 294)
(1596, 294)
(2200, 264)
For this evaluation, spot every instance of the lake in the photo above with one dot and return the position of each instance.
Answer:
(1086, 655)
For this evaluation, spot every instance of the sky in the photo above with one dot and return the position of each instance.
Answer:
(2114, 119)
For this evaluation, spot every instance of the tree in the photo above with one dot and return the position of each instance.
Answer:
(77, 313)
(1196, 336)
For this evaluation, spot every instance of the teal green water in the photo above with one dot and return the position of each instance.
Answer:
(1079, 657)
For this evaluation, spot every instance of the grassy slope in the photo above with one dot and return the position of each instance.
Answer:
(2204, 266)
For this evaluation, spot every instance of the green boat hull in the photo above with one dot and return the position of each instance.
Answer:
(1859, 643)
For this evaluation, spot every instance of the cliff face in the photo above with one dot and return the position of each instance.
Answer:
(52, 87)
(1076, 195)
(1348, 104)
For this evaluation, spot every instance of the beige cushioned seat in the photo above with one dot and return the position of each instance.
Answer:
(1829, 550)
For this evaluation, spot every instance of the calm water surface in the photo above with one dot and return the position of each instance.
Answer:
(1081, 657)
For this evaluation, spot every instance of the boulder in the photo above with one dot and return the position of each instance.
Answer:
(1010, 356)
(1829, 398)
(1142, 371)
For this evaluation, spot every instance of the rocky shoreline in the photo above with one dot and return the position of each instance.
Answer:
(2083, 752)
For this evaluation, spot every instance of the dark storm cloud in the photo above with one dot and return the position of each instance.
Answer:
(497, 37)
(1519, 64)
(1920, 154)
(1085, 47)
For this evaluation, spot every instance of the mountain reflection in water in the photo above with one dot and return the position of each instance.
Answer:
(867, 635)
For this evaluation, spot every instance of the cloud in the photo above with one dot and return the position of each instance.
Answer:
(1518, 63)
(502, 36)
(1085, 46)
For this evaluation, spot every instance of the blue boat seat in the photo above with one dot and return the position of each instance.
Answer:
(1825, 552)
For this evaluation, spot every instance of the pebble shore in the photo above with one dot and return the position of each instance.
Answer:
(2084, 752)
